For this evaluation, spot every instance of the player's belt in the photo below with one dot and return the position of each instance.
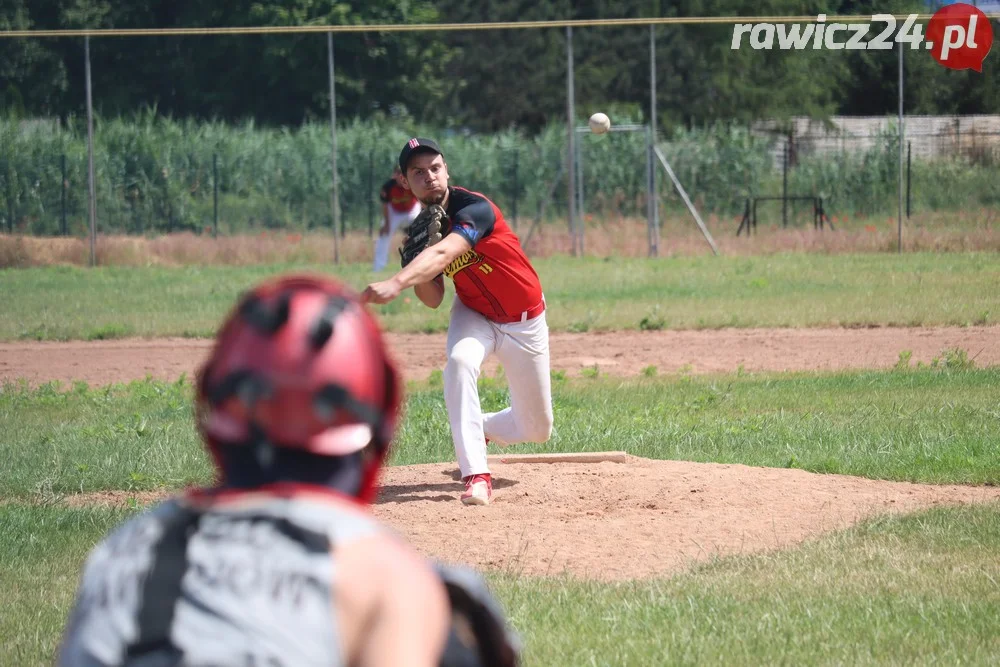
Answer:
(524, 316)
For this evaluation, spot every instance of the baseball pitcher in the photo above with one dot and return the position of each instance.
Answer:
(499, 309)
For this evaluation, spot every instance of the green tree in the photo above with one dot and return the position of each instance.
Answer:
(505, 78)
(32, 77)
(928, 88)
(481, 80)
(273, 79)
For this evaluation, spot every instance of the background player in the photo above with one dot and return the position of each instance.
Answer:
(399, 208)
(281, 563)
(499, 310)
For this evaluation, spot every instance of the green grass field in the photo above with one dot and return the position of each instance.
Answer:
(794, 290)
(931, 425)
(920, 589)
(917, 589)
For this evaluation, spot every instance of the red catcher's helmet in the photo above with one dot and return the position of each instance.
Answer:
(302, 364)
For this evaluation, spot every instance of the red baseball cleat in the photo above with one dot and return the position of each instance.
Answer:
(478, 490)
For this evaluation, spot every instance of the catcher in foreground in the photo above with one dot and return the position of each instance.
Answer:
(499, 310)
(281, 563)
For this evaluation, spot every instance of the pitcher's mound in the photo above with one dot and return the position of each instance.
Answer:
(636, 519)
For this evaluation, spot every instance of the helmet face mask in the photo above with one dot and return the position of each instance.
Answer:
(299, 366)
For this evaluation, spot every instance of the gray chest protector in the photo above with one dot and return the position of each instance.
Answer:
(247, 585)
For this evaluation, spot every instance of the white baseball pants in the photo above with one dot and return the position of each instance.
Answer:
(396, 220)
(523, 350)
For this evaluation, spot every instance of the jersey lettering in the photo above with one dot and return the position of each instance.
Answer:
(466, 259)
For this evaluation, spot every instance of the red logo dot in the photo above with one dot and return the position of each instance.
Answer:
(961, 36)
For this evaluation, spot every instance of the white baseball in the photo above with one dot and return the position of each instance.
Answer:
(600, 123)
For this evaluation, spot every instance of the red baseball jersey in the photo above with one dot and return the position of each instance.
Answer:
(494, 278)
(396, 196)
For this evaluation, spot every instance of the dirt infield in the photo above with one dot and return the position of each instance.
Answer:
(608, 521)
(623, 353)
(643, 518)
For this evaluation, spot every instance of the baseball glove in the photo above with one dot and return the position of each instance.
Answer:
(424, 232)
(479, 635)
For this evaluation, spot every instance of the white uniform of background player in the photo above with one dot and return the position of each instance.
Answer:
(399, 208)
(499, 310)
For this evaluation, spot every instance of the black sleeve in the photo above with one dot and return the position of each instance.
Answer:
(474, 221)
(385, 194)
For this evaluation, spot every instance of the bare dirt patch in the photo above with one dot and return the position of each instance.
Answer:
(637, 519)
(113, 498)
(617, 521)
(622, 353)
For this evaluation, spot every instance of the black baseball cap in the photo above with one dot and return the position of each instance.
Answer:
(417, 145)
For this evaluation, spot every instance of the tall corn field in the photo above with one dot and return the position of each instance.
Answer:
(155, 174)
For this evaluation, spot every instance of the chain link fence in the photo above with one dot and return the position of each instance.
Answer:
(158, 176)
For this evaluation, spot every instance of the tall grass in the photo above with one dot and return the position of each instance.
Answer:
(157, 174)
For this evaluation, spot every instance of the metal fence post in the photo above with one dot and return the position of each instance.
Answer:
(334, 189)
(371, 192)
(215, 195)
(513, 205)
(784, 187)
(65, 186)
(92, 186)
(571, 146)
(650, 229)
(899, 187)
(580, 222)
(652, 129)
(908, 146)
(9, 177)
(168, 200)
